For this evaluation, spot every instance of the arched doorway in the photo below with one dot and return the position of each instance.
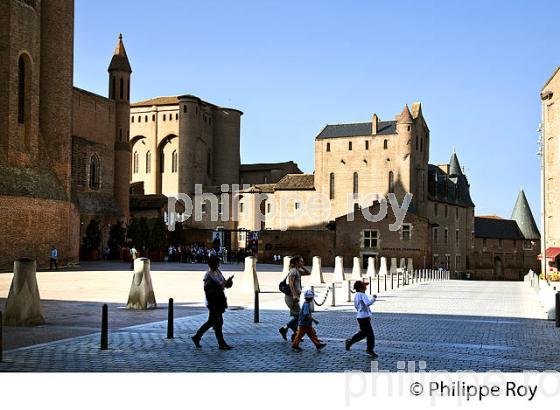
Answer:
(498, 268)
(168, 165)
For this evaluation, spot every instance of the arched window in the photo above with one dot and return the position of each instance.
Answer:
(94, 171)
(385, 144)
(148, 162)
(174, 161)
(349, 145)
(135, 162)
(328, 147)
(122, 88)
(113, 87)
(391, 182)
(21, 90)
(355, 190)
(331, 186)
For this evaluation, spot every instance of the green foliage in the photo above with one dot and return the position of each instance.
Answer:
(138, 232)
(117, 236)
(158, 236)
(92, 240)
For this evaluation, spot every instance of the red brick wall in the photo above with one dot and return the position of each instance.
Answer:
(297, 242)
(31, 226)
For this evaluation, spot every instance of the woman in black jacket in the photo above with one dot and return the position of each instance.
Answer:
(214, 285)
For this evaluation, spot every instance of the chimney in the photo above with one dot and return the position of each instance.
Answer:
(374, 124)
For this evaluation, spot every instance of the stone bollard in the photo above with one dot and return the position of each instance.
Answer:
(285, 265)
(23, 306)
(250, 281)
(356, 269)
(317, 271)
(141, 295)
(338, 275)
(370, 273)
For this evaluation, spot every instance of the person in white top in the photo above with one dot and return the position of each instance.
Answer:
(362, 302)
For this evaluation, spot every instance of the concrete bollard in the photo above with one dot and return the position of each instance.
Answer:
(23, 306)
(170, 319)
(393, 267)
(356, 269)
(141, 295)
(250, 281)
(285, 265)
(316, 272)
(338, 276)
(371, 268)
(104, 327)
(409, 266)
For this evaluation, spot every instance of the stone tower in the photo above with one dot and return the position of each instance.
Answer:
(119, 91)
(404, 161)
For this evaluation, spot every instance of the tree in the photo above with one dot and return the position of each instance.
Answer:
(158, 236)
(138, 232)
(92, 240)
(117, 236)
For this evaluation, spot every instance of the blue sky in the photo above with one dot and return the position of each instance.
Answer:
(294, 66)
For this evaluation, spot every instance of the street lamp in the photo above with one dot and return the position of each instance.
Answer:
(545, 96)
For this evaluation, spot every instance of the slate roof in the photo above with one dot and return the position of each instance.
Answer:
(357, 130)
(524, 217)
(453, 190)
(296, 182)
(493, 228)
(454, 166)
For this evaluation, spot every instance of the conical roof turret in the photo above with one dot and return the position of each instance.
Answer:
(524, 217)
(120, 62)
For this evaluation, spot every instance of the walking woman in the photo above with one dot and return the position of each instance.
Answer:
(292, 300)
(214, 285)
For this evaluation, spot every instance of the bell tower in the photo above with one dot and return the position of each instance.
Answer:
(119, 91)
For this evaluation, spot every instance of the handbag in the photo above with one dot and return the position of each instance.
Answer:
(284, 287)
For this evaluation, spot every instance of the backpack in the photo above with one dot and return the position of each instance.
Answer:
(284, 287)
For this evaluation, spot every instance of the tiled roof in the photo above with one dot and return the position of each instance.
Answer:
(120, 62)
(289, 165)
(493, 228)
(296, 182)
(157, 101)
(357, 129)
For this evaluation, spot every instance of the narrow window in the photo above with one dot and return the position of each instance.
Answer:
(500, 243)
(148, 162)
(184, 108)
(153, 117)
(145, 118)
(128, 90)
(174, 161)
(435, 208)
(417, 143)
(162, 162)
(328, 147)
(421, 143)
(164, 117)
(132, 119)
(406, 230)
(385, 144)
(367, 145)
(208, 163)
(391, 182)
(176, 117)
(139, 118)
(350, 146)
(113, 87)
(120, 134)
(121, 85)
(331, 186)
(436, 235)
(457, 238)
(355, 188)
(21, 90)
(445, 236)
(94, 172)
(135, 162)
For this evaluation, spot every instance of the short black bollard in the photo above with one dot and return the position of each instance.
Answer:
(370, 285)
(392, 280)
(557, 309)
(105, 327)
(385, 278)
(378, 280)
(170, 319)
(1, 343)
(256, 316)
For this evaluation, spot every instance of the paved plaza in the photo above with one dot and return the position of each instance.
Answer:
(449, 325)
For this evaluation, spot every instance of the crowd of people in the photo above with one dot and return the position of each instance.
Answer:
(200, 253)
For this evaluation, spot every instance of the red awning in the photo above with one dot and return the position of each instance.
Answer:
(551, 253)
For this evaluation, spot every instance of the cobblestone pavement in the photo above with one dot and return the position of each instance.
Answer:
(449, 325)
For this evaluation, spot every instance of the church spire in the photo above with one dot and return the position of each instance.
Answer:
(120, 62)
(454, 166)
(524, 217)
